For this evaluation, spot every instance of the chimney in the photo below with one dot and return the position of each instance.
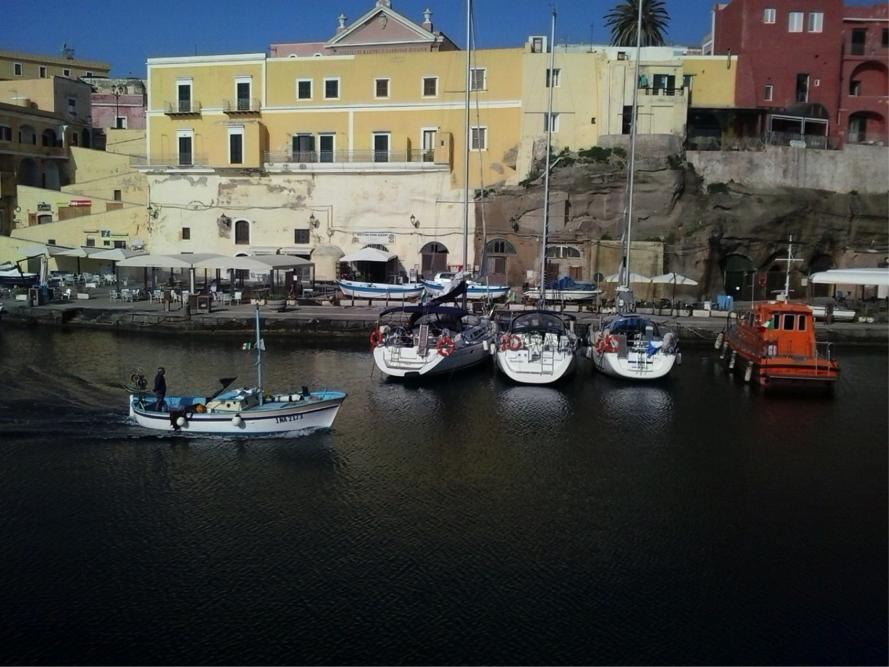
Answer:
(427, 19)
(342, 26)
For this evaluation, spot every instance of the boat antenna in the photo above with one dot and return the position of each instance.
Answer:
(549, 142)
(789, 260)
(468, 140)
(258, 347)
(625, 283)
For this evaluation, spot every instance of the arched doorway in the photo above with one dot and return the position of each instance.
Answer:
(563, 260)
(820, 263)
(865, 127)
(51, 176)
(29, 173)
(434, 259)
(738, 277)
(495, 265)
(49, 138)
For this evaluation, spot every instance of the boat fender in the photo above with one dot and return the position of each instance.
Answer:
(237, 421)
(182, 421)
(515, 343)
(445, 346)
(485, 345)
(719, 339)
(748, 373)
(679, 358)
(376, 338)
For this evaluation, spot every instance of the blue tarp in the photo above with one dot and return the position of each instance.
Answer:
(566, 283)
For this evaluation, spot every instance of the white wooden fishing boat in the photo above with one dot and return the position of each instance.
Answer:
(443, 282)
(361, 290)
(241, 411)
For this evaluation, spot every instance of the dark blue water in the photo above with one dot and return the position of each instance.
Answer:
(463, 522)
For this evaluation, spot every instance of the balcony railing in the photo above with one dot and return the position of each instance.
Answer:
(241, 105)
(170, 160)
(183, 107)
(320, 157)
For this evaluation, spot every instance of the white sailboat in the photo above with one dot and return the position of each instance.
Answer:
(627, 345)
(432, 338)
(241, 411)
(539, 346)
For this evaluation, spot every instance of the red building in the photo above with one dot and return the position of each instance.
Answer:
(790, 56)
(864, 80)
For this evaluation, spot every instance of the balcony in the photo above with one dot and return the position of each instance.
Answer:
(182, 108)
(411, 156)
(170, 161)
(242, 105)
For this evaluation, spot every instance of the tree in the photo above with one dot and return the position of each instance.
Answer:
(624, 18)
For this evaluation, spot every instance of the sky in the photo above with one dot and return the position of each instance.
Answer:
(126, 34)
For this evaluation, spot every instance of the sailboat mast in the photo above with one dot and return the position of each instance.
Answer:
(787, 272)
(258, 347)
(549, 143)
(632, 165)
(468, 141)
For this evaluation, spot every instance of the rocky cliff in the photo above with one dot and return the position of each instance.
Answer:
(699, 227)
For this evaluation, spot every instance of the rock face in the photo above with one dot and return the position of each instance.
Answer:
(700, 228)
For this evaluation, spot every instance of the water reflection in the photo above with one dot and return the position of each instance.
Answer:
(532, 410)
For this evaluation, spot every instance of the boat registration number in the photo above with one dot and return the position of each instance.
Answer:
(288, 418)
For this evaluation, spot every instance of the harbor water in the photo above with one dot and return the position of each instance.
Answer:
(462, 521)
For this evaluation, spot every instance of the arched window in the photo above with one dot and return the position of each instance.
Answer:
(27, 135)
(562, 252)
(242, 232)
(434, 258)
(499, 247)
(49, 138)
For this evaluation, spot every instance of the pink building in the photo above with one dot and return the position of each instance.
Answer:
(118, 104)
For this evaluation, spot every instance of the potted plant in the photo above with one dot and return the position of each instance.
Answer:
(276, 301)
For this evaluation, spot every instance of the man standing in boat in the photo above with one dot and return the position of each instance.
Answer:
(160, 387)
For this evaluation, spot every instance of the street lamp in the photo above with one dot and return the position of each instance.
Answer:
(117, 91)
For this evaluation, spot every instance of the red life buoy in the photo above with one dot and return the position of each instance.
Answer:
(515, 343)
(376, 338)
(445, 346)
(504, 342)
(612, 343)
(600, 346)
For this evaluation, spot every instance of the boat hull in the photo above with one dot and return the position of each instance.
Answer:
(635, 365)
(473, 290)
(408, 362)
(283, 414)
(359, 290)
(563, 295)
(524, 368)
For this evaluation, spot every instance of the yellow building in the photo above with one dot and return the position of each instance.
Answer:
(328, 151)
(16, 66)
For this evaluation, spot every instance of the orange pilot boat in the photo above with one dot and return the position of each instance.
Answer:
(774, 344)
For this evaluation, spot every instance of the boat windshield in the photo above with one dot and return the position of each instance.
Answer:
(539, 322)
(635, 326)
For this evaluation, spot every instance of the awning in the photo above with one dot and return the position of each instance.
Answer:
(181, 261)
(258, 263)
(368, 255)
(876, 276)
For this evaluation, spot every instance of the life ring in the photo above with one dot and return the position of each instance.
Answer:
(504, 342)
(376, 338)
(612, 343)
(135, 378)
(515, 343)
(445, 346)
(600, 346)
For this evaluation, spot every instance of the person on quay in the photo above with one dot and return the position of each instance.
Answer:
(160, 388)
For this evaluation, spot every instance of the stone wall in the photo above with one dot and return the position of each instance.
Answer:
(863, 169)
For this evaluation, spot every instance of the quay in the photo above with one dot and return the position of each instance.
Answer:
(314, 322)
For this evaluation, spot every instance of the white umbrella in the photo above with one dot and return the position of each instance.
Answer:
(78, 253)
(180, 261)
(256, 263)
(633, 278)
(368, 255)
(116, 255)
(675, 278)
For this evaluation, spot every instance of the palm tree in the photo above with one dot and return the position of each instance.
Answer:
(624, 18)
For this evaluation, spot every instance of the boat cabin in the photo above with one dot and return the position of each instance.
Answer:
(239, 399)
